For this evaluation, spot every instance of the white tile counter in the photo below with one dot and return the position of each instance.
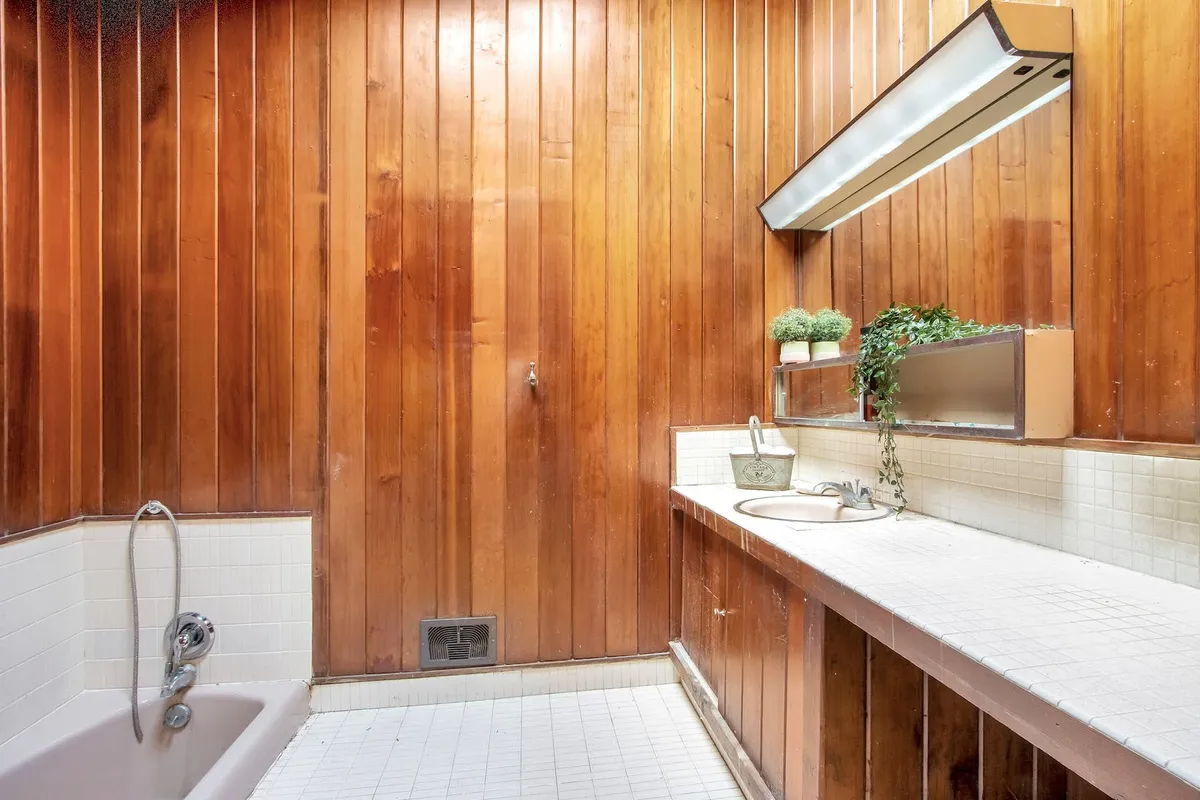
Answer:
(1115, 649)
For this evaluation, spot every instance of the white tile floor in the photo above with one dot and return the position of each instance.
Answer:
(637, 743)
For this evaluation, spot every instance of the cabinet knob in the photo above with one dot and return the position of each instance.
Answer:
(719, 612)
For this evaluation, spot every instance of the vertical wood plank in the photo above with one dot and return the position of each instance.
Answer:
(692, 607)
(687, 194)
(420, 366)
(589, 394)
(197, 257)
(159, 254)
(59, 282)
(454, 305)
(780, 266)
(347, 309)
(235, 255)
(273, 346)
(716, 391)
(912, 31)
(381, 413)
(752, 360)
(794, 698)
(22, 268)
(1038, 260)
(847, 288)
(1010, 145)
(86, 123)
(1054, 782)
(488, 308)
(556, 294)
(654, 326)
(310, 272)
(1097, 216)
(953, 772)
(523, 437)
(775, 682)
(310, 245)
(897, 725)
(715, 571)
(884, 39)
(816, 249)
(753, 652)
(119, 241)
(812, 717)
(735, 627)
(933, 187)
(1159, 231)
(1007, 772)
(816, 272)
(1052, 778)
(621, 346)
(986, 231)
(1060, 211)
(843, 711)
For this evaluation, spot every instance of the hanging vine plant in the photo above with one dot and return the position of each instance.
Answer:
(884, 345)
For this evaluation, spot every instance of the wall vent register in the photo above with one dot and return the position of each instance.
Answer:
(458, 642)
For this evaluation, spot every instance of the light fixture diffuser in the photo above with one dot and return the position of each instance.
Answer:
(1002, 62)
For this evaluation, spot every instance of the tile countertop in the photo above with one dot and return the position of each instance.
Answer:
(1116, 649)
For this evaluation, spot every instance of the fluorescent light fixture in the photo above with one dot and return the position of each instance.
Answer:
(1004, 61)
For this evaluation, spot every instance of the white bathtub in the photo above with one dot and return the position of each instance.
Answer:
(235, 734)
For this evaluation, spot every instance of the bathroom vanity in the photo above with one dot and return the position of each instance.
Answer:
(913, 657)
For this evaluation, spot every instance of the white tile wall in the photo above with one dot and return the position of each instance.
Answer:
(65, 610)
(1140, 512)
(252, 578)
(41, 627)
(703, 456)
(523, 682)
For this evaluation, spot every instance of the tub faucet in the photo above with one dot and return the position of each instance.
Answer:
(177, 681)
(856, 496)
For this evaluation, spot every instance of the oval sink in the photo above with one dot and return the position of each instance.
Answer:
(807, 508)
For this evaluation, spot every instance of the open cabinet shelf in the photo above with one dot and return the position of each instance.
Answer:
(1008, 385)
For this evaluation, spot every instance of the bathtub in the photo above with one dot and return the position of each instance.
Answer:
(235, 734)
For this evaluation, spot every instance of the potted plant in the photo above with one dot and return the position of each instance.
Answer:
(792, 329)
(828, 328)
(884, 345)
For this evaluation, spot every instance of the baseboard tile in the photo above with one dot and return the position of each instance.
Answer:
(516, 682)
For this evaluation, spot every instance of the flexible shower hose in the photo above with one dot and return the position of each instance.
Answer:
(153, 507)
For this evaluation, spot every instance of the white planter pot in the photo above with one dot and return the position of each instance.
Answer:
(822, 350)
(793, 353)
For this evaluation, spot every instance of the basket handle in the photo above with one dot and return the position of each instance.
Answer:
(755, 425)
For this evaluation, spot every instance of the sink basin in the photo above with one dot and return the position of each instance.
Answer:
(807, 508)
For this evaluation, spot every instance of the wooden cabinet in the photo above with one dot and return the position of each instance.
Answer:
(818, 710)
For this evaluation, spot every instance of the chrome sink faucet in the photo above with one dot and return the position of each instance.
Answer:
(856, 496)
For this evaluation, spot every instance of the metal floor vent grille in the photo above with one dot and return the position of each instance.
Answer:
(459, 642)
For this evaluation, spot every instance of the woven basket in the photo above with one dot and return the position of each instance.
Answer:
(759, 471)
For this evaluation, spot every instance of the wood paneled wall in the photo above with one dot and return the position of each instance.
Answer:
(823, 710)
(988, 233)
(566, 183)
(1082, 215)
(310, 248)
(298, 254)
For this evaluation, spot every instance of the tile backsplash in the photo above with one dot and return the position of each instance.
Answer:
(65, 607)
(1140, 512)
(702, 456)
(251, 577)
(42, 610)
